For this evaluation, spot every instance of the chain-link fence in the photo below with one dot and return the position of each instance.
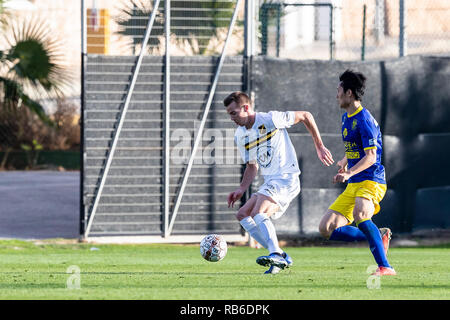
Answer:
(197, 27)
(353, 30)
(427, 26)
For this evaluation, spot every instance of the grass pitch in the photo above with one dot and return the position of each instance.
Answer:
(178, 272)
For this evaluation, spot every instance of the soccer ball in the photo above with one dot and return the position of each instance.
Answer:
(213, 247)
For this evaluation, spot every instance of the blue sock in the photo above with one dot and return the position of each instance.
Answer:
(348, 234)
(376, 244)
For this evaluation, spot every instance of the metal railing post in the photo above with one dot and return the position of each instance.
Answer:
(249, 33)
(82, 110)
(402, 34)
(250, 41)
(263, 17)
(331, 32)
(363, 45)
(278, 28)
(379, 21)
(167, 120)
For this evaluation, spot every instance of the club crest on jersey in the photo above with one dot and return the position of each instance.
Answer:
(354, 124)
(344, 133)
(262, 129)
(264, 156)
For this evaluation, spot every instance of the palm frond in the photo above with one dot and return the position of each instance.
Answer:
(133, 18)
(14, 96)
(35, 57)
(4, 15)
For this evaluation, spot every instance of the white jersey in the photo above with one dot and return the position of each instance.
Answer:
(268, 144)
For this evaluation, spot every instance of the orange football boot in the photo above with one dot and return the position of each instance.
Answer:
(384, 271)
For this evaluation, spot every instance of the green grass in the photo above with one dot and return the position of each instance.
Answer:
(172, 272)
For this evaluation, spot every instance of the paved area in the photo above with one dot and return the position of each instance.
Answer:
(39, 204)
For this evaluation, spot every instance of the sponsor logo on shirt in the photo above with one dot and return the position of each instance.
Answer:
(264, 156)
(352, 155)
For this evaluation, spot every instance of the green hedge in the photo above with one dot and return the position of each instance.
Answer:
(69, 160)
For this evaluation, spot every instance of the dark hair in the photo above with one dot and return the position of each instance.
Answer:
(354, 81)
(239, 97)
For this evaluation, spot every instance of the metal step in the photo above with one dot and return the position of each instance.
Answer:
(196, 180)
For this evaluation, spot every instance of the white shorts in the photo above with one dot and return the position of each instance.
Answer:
(282, 191)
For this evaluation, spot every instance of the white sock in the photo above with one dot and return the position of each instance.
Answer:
(250, 226)
(267, 230)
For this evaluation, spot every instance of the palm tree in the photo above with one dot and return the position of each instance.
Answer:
(29, 64)
(30, 69)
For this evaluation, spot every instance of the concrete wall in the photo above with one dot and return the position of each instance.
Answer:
(409, 99)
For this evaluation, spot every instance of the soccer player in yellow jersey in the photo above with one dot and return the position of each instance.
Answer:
(362, 169)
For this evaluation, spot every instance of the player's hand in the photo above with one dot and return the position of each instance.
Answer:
(342, 164)
(341, 177)
(235, 196)
(325, 156)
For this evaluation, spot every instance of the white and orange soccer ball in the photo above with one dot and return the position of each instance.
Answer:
(213, 247)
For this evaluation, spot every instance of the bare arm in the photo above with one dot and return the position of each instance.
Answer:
(342, 164)
(249, 175)
(308, 120)
(251, 170)
(367, 161)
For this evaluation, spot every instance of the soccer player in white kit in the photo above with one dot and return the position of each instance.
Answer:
(264, 144)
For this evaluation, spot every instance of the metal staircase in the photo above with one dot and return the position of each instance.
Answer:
(132, 200)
